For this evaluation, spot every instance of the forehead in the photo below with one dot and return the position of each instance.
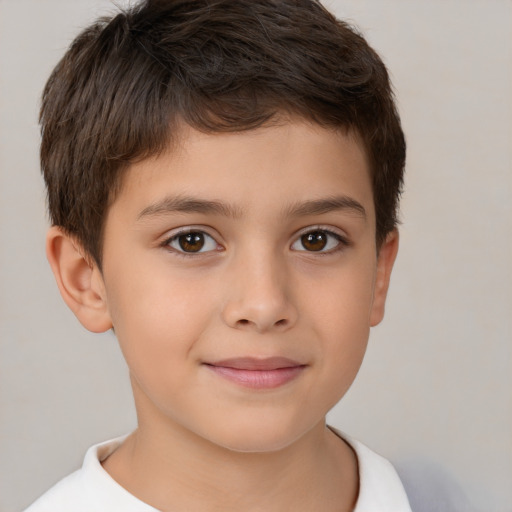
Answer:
(268, 167)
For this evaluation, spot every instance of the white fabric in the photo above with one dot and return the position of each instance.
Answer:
(91, 489)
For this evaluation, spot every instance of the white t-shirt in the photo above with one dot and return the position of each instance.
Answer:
(92, 489)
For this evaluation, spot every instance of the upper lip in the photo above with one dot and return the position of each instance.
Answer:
(253, 363)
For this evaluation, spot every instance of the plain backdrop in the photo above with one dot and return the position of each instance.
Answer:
(434, 393)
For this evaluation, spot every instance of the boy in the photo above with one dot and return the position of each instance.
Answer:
(223, 180)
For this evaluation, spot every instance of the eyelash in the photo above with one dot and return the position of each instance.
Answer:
(342, 242)
(187, 231)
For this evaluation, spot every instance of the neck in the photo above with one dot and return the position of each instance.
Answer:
(172, 469)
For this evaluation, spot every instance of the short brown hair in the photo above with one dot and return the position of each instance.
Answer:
(121, 90)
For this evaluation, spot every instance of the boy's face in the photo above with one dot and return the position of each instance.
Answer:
(241, 276)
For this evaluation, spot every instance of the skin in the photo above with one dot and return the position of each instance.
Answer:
(255, 289)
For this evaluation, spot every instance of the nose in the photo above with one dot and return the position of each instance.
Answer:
(259, 296)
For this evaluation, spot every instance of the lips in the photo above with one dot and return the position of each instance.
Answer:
(256, 373)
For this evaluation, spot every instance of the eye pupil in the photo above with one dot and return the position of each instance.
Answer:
(191, 242)
(314, 241)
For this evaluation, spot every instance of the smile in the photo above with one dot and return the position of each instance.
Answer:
(258, 373)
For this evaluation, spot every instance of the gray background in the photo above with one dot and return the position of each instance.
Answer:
(434, 394)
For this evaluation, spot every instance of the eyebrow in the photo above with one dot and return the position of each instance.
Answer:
(327, 205)
(186, 204)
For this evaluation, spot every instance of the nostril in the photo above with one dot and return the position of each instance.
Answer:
(262, 325)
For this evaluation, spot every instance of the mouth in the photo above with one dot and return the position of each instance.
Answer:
(256, 373)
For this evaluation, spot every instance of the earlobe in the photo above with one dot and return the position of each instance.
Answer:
(386, 259)
(79, 280)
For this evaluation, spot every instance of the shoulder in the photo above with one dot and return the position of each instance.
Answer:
(380, 487)
(66, 493)
(90, 489)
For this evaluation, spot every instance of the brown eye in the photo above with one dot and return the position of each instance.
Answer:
(321, 241)
(314, 241)
(191, 242)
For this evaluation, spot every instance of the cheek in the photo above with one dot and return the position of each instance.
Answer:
(340, 318)
(341, 299)
(158, 317)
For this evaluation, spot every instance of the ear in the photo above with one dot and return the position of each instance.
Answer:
(79, 280)
(385, 260)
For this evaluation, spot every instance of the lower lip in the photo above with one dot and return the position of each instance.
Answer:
(258, 379)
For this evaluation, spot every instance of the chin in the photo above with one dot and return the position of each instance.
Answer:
(258, 437)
